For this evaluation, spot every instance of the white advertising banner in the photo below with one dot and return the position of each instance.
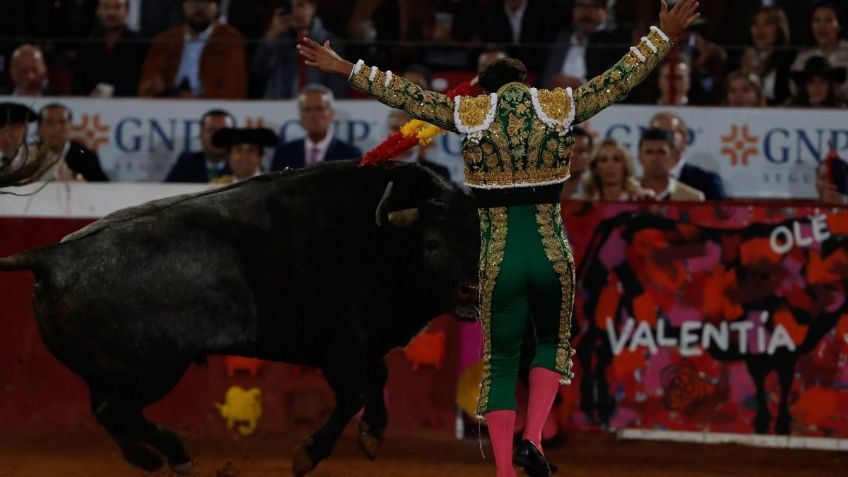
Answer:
(764, 153)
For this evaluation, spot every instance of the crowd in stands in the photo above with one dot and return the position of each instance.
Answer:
(790, 52)
(741, 53)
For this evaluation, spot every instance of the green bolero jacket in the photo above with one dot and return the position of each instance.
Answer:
(518, 136)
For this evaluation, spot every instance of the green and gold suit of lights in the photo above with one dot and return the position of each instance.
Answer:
(520, 137)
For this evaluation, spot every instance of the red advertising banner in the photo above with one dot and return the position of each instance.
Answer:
(720, 318)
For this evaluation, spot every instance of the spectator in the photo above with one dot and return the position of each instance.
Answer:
(14, 119)
(587, 49)
(109, 64)
(520, 22)
(707, 65)
(611, 176)
(583, 143)
(743, 90)
(276, 62)
(693, 176)
(768, 57)
(245, 148)
(737, 16)
(28, 72)
(152, 17)
(675, 81)
(211, 162)
(829, 29)
(77, 162)
(657, 156)
(202, 58)
(319, 145)
(397, 118)
(818, 84)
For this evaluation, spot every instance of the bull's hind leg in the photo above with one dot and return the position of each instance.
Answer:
(348, 382)
(142, 441)
(375, 417)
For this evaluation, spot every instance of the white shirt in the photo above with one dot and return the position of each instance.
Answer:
(515, 18)
(321, 145)
(575, 59)
(60, 170)
(190, 61)
(134, 15)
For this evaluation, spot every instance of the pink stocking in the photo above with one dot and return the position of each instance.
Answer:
(544, 385)
(501, 425)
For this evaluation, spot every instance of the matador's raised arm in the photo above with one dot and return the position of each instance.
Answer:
(397, 92)
(615, 84)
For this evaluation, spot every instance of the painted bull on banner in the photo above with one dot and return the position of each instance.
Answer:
(764, 295)
(330, 267)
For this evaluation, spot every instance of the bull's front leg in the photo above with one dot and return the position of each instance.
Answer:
(375, 417)
(347, 378)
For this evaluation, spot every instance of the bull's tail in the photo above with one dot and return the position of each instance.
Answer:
(21, 261)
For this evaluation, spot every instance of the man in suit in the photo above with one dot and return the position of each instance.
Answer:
(587, 49)
(703, 180)
(210, 163)
(110, 62)
(276, 62)
(77, 162)
(319, 145)
(656, 154)
(201, 59)
(521, 22)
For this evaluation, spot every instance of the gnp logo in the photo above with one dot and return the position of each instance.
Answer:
(739, 145)
(91, 132)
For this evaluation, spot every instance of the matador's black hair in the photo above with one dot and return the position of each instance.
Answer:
(501, 72)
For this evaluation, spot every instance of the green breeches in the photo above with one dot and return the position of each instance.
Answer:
(526, 273)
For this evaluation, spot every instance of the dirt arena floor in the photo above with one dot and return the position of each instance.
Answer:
(591, 455)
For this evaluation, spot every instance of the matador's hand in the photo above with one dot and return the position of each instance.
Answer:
(679, 18)
(323, 57)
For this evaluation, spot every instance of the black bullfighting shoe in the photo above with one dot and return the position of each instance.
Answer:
(528, 457)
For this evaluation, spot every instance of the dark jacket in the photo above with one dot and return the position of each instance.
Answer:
(293, 154)
(191, 167)
(705, 181)
(277, 64)
(604, 49)
(85, 162)
(538, 28)
(120, 67)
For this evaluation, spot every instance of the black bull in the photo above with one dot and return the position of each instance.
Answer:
(754, 284)
(328, 267)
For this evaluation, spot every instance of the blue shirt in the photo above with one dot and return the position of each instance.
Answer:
(190, 61)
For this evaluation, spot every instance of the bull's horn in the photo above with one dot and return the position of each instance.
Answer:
(380, 213)
(403, 218)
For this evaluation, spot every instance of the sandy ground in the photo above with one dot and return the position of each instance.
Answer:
(92, 454)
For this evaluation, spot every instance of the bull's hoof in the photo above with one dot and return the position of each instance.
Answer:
(302, 462)
(185, 468)
(142, 455)
(369, 444)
